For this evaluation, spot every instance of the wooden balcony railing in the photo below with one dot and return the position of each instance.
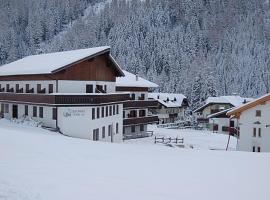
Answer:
(30, 90)
(63, 99)
(140, 104)
(19, 90)
(43, 91)
(140, 120)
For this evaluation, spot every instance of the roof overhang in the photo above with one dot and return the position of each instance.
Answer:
(260, 101)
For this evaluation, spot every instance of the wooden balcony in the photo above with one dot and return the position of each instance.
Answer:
(63, 100)
(140, 120)
(140, 104)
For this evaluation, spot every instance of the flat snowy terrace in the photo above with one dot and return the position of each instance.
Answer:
(37, 164)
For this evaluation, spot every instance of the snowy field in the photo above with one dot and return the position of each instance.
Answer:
(194, 139)
(37, 164)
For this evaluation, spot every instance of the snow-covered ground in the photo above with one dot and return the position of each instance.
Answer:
(38, 164)
(192, 138)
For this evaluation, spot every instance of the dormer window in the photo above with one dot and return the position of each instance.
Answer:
(258, 113)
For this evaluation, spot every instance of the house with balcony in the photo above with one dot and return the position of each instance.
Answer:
(253, 123)
(213, 113)
(73, 92)
(135, 112)
(171, 107)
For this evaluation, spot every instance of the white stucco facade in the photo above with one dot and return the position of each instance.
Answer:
(248, 121)
(78, 122)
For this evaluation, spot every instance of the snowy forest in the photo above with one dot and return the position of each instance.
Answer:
(199, 48)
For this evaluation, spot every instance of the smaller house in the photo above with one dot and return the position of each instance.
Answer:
(171, 107)
(135, 111)
(216, 105)
(220, 122)
(254, 124)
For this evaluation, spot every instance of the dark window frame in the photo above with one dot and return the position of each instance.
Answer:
(141, 127)
(254, 132)
(26, 110)
(117, 128)
(34, 111)
(98, 112)
(40, 112)
(133, 129)
(93, 113)
(102, 111)
(258, 113)
(54, 113)
(50, 88)
(103, 132)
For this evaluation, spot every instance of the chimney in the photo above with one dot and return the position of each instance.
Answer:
(137, 77)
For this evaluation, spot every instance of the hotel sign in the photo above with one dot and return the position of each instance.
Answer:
(74, 113)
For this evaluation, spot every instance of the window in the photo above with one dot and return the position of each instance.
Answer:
(110, 110)
(141, 127)
(7, 87)
(113, 109)
(17, 87)
(253, 149)
(54, 113)
(89, 88)
(98, 113)
(124, 114)
(27, 87)
(96, 134)
(259, 132)
(103, 132)
(117, 128)
(38, 88)
(224, 128)
(254, 132)
(142, 113)
(2, 108)
(142, 96)
(133, 128)
(109, 130)
(102, 111)
(34, 111)
(50, 88)
(133, 96)
(105, 88)
(117, 109)
(258, 149)
(258, 113)
(41, 112)
(106, 111)
(26, 110)
(133, 113)
(93, 113)
(6, 108)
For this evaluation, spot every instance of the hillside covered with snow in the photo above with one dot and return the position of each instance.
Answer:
(36, 164)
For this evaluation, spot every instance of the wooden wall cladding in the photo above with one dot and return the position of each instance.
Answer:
(99, 68)
(94, 69)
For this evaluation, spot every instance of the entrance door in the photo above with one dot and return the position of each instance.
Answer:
(15, 111)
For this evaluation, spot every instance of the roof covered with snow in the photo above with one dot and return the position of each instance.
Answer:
(169, 100)
(132, 80)
(48, 63)
(234, 101)
(251, 104)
